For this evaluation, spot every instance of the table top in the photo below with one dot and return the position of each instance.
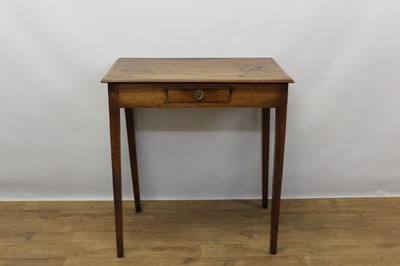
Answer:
(213, 70)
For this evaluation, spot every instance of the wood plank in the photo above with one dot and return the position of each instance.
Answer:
(252, 70)
(33, 262)
(164, 261)
(362, 259)
(255, 261)
(12, 205)
(69, 206)
(14, 237)
(332, 247)
(192, 261)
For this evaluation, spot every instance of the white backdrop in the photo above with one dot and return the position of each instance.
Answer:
(343, 133)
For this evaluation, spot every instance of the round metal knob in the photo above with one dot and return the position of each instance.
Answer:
(199, 95)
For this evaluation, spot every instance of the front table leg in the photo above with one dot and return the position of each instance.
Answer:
(280, 128)
(116, 164)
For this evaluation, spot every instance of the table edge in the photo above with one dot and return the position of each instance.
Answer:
(197, 81)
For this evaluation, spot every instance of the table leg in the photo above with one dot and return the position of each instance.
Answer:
(130, 126)
(280, 128)
(114, 111)
(265, 122)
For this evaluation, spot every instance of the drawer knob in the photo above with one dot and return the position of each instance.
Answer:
(199, 95)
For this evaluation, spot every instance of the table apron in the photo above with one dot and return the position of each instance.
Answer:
(256, 95)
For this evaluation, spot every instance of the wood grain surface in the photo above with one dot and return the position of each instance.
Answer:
(362, 231)
(187, 95)
(195, 83)
(156, 96)
(265, 127)
(254, 70)
(131, 134)
(115, 141)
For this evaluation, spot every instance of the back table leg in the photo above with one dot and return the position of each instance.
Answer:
(265, 121)
(116, 164)
(130, 126)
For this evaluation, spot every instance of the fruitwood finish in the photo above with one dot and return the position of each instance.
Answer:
(197, 83)
(205, 70)
(363, 231)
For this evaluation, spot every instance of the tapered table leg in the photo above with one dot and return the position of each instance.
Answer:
(116, 164)
(265, 122)
(130, 126)
(280, 128)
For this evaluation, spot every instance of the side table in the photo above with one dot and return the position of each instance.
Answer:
(197, 83)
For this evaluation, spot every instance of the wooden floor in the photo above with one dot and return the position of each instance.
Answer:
(312, 232)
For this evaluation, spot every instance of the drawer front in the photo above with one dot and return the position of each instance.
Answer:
(198, 95)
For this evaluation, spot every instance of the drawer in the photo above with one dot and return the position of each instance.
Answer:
(198, 94)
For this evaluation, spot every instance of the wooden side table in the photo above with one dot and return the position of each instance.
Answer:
(196, 83)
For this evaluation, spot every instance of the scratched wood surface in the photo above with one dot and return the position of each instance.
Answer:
(312, 232)
(156, 96)
(254, 70)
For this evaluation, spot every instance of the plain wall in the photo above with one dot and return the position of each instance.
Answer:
(343, 132)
